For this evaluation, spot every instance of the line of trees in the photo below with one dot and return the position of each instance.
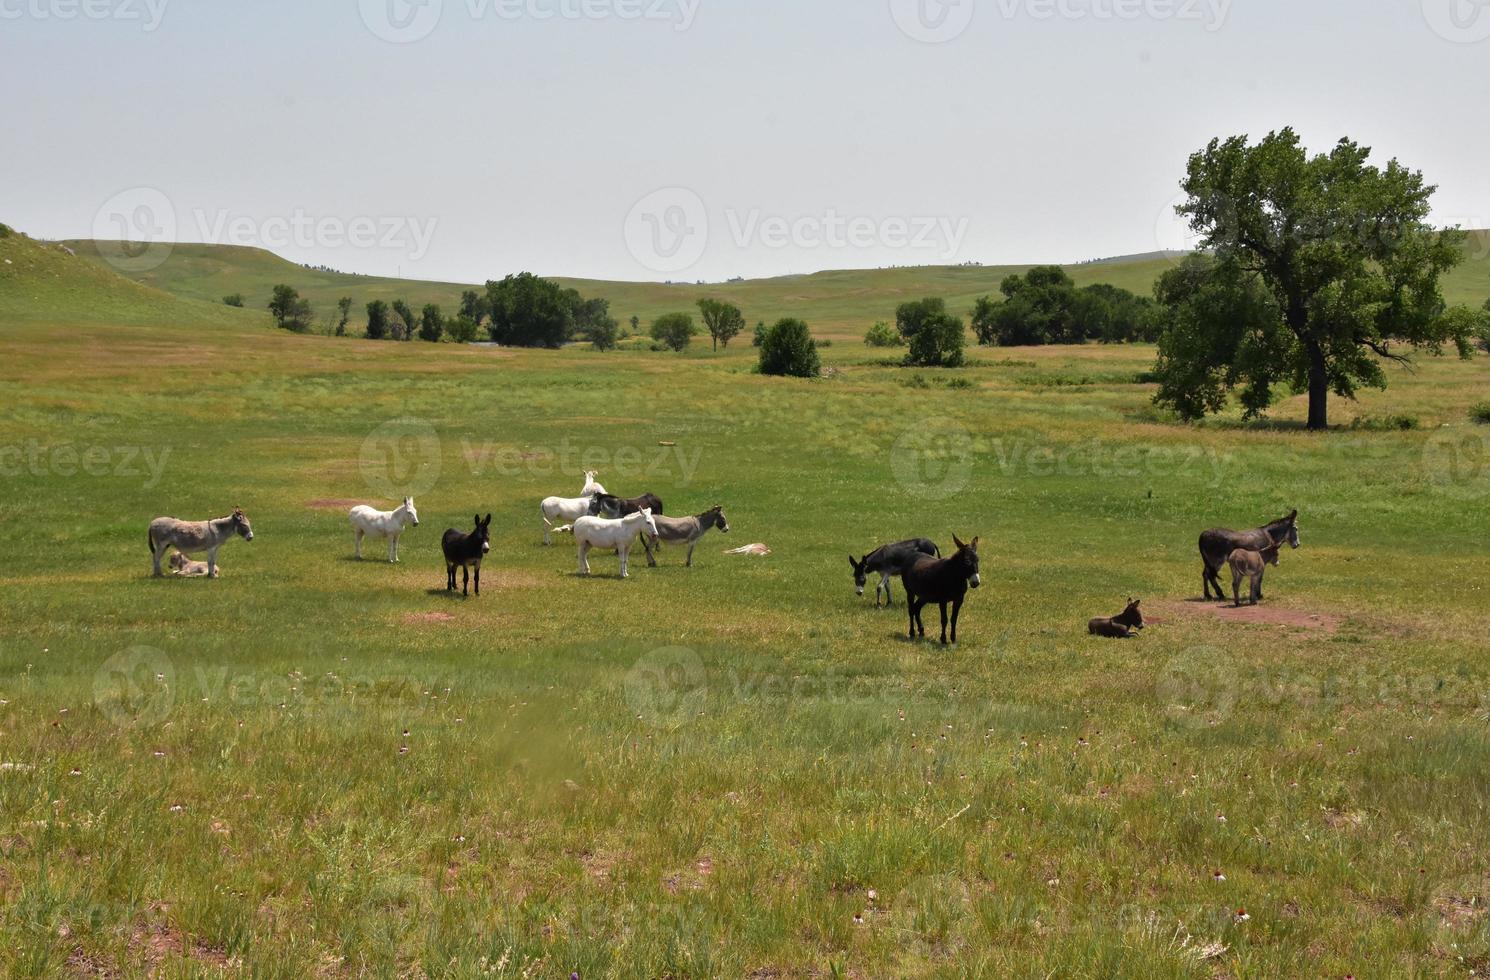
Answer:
(1045, 306)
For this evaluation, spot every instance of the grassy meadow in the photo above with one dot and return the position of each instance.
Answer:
(318, 766)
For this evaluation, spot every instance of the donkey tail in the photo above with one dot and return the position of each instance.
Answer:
(150, 541)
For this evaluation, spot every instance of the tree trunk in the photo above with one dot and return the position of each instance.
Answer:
(1319, 389)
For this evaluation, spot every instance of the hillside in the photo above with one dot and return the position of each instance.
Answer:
(45, 281)
(840, 303)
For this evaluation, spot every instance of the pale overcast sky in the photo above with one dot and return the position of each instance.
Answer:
(702, 139)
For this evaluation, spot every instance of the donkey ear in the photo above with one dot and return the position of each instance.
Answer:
(1292, 518)
(974, 545)
(958, 542)
(853, 564)
(476, 520)
(487, 522)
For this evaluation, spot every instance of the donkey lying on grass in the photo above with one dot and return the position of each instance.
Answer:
(1250, 565)
(184, 567)
(685, 530)
(1121, 626)
(194, 537)
(889, 561)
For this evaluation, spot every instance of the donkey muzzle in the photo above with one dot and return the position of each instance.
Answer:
(975, 581)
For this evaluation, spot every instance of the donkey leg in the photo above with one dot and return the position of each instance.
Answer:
(956, 611)
(357, 542)
(584, 558)
(910, 612)
(691, 546)
(465, 580)
(647, 547)
(449, 577)
(624, 552)
(160, 552)
(478, 578)
(392, 549)
(943, 607)
(212, 563)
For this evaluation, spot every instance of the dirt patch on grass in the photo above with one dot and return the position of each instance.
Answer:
(331, 504)
(1259, 615)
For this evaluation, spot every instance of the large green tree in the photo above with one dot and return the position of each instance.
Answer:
(675, 330)
(290, 310)
(528, 311)
(1344, 257)
(787, 349)
(722, 320)
(934, 336)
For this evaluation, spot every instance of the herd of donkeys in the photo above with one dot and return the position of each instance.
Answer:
(603, 521)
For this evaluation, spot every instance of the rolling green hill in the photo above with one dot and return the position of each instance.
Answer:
(840, 303)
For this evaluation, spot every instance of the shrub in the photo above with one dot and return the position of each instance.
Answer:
(1480, 413)
(234, 300)
(431, 324)
(787, 349)
(290, 311)
(5, 231)
(462, 330)
(760, 334)
(674, 330)
(883, 335)
(1386, 423)
(935, 336)
(377, 320)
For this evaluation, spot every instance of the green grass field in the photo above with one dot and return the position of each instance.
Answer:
(315, 766)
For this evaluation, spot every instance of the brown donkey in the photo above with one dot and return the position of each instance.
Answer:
(1250, 564)
(940, 580)
(1121, 626)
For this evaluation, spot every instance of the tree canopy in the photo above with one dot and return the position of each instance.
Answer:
(1322, 267)
(674, 330)
(527, 311)
(1044, 306)
(290, 311)
(935, 337)
(723, 320)
(787, 349)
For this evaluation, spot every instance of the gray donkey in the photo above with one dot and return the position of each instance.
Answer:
(194, 537)
(1216, 546)
(685, 530)
(889, 561)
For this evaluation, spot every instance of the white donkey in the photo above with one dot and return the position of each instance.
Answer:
(600, 532)
(571, 508)
(388, 524)
(195, 537)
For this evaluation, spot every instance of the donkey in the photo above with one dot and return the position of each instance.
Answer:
(889, 560)
(184, 567)
(626, 507)
(466, 550)
(587, 504)
(1217, 545)
(194, 537)
(940, 580)
(1250, 565)
(383, 524)
(599, 532)
(1119, 627)
(686, 530)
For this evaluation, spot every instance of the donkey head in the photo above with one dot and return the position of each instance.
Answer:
(1286, 529)
(861, 573)
(967, 560)
(646, 513)
(1132, 616)
(409, 509)
(719, 519)
(483, 533)
(605, 505)
(1270, 553)
(241, 525)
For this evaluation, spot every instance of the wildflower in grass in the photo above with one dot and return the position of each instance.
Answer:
(1218, 876)
(1242, 916)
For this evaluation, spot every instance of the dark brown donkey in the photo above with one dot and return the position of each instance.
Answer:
(1217, 545)
(940, 580)
(466, 550)
(1121, 626)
